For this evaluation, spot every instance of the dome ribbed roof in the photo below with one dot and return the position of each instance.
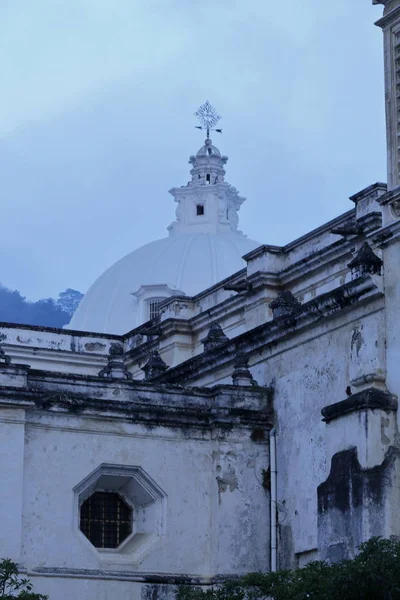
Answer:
(188, 263)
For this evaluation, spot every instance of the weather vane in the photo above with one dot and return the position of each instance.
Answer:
(208, 117)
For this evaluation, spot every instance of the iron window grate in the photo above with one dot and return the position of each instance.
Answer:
(154, 307)
(106, 519)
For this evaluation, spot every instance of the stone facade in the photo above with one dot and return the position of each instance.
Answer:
(295, 356)
(191, 461)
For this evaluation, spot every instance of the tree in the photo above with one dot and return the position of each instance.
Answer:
(374, 574)
(12, 585)
(69, 300)
(47, 312)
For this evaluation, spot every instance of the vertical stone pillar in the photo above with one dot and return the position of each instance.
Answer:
(390, 24)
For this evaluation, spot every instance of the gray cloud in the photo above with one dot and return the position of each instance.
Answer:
(96, 121)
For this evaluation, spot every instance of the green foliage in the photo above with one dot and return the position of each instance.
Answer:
(47, 312)
(12, 585)
(69, 300)
(374, 574)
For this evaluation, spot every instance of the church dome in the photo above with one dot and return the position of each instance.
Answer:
(182, 264)
(204, 246)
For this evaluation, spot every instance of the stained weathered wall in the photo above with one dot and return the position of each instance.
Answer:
(207, 464)
(309, 370)
(355, 504)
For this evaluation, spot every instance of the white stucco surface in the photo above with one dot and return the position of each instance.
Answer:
(188, 263)
(212, 517)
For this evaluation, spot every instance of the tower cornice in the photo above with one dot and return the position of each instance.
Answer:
(388, 18)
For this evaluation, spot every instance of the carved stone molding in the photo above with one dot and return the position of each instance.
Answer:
(371, 398)
(116, 368)
(214, 338)
(155, 366)
(284, 305)
(366, 262)
(394, 209)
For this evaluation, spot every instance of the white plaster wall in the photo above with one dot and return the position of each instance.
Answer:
(309, 371)
(66, 588)
(12, 425)
(306, 378)
(56, 351)
(391, 257)
(211, 527)
(371, 431)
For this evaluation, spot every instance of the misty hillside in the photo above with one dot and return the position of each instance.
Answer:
(47, 312)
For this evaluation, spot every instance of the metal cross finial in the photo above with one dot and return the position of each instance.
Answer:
(208, 117)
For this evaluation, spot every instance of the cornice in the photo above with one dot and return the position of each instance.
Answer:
(388, 235)
(57, 330)
(369, 399)
(387, 19)
(172, 579)
(310, 314)
(142, 403)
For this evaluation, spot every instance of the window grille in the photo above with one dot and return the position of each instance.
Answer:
(154, 307)
(106, 519)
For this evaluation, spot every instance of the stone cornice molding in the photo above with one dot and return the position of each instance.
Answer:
(150, 578)
(340, 250)
(141, 402)
(389, 197)
(387, 19)
(368, 399)
(387, 235)
(364, 288)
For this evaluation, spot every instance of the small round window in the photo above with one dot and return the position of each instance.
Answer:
(106, 519)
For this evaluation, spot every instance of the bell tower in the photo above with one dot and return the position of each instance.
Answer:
(390, 25)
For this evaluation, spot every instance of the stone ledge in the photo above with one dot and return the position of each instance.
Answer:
(362, 288)
(130, 575)
(387, 18)
(200, 408)
(371, 398)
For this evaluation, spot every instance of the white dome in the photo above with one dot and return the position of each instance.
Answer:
(186, 263)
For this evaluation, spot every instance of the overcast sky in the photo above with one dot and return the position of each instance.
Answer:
(96, 121)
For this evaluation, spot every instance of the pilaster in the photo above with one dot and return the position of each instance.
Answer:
(390, 24)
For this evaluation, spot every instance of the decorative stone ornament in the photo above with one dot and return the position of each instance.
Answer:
(155, 366)
(241, 374)
(240, 286)
(115, 368)
(4, 358)
(284, 305)
(394, 209)
(365, 262)
(214, 338)
(152, 331)
(348, 229)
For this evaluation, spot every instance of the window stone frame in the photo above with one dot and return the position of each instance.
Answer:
(142, 494)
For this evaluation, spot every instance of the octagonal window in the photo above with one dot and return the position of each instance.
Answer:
(106, 519)
(119, 513)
